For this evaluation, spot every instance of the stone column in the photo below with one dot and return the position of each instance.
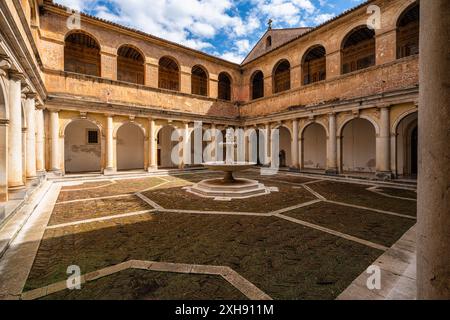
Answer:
(55, 145)
(152, 140)
(30, 109)
(214, 143)
(40, 140)
(294, 148)
(110, 168)
(3, 161)
(268, 144)
(15, 166)
(383, 146)
(433, 231)
(24, 154)
(332, 166)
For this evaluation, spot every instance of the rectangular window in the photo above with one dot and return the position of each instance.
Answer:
(92, 137)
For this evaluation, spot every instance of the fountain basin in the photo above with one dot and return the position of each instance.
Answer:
(229, 187)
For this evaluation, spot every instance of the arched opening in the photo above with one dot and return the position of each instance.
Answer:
(165, 147)
(130, 65)
(257, 85)
(224, 86)
(130, 147)
(269, 42)
(168, 74)
(408, 32)
(407, 150)
(358, 146)
(199, 81)
(82, 147)
(284, 154)
(358, 50)
(314, 147)
(282, 76)
(82, 54)
(314, 66)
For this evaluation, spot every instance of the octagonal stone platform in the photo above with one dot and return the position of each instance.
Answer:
(221, 190)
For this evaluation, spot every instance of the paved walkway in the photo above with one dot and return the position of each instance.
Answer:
(397, 262)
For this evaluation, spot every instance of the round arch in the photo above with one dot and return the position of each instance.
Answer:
(130, 140)
(169, 75)
(130, 64)
(285, 147)
(407, 25)
(257, 85)
(405, 143)
(358, 145)
(313, 64)
(364, 117)
(89, 62)
(358, 49)
(199, 80)
(224, 86)
(82, 146)
(281, 76)
(314, 137)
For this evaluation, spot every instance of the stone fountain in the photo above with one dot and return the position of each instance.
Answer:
(228, 187)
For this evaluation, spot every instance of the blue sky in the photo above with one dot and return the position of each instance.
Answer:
(224, 28)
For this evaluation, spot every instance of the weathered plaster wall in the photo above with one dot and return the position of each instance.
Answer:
(314, 147)
(130, 147)
(358, 146)
(79, 156)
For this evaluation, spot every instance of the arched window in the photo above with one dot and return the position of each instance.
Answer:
(282, 77)
(268, 42)
(82, 54)
(169, 74)
(408, 32)
(358, 50)
(257, 85)
(199, 81)
(224, 86)
(130, 65)
(314, 65)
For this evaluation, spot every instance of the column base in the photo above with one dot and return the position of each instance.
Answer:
(152, 168)
(384, 175)
(109, 171)
(294, 169)
(2, 212)
(32, 178)
(55, 173)
(16, 188)
(332, 172)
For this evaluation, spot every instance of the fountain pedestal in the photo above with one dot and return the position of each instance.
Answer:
(228, 187)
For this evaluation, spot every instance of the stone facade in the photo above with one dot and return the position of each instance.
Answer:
(51, 118)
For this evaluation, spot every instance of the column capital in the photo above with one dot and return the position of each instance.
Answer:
(384, 106)
(5, 65)
(15, 75)
(53, 110)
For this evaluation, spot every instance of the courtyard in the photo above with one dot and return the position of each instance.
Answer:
(147, 238)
